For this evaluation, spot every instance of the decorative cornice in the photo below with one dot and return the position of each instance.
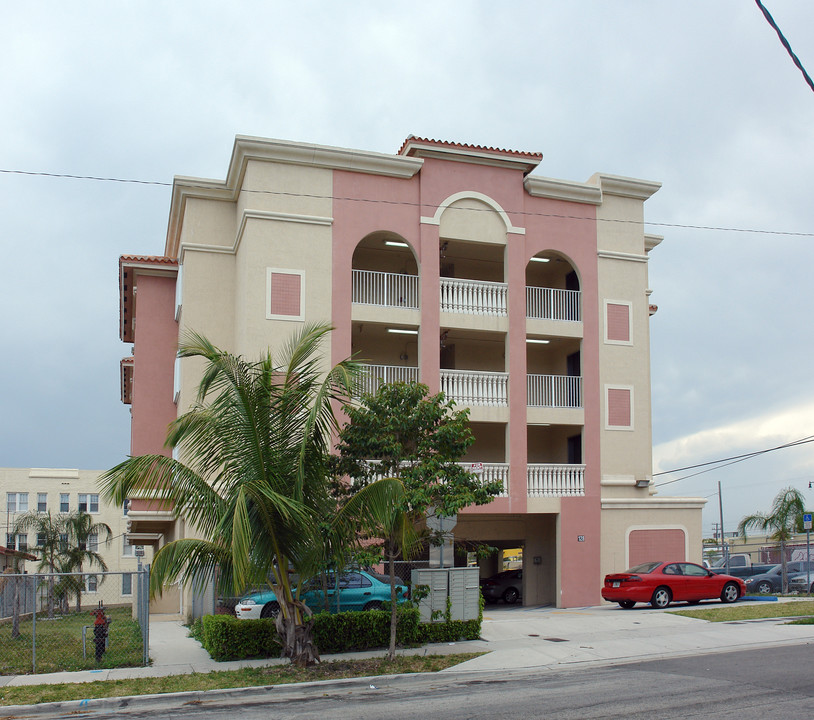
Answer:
(650, 241)
(629, 257)
(625, 186)
(563, 190)
(649, 503)
(54, 473)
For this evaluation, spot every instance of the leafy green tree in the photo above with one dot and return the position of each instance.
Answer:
(255, 482)
(402, 433)
(780, 525)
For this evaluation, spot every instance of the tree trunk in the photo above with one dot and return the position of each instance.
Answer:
(391, 653)
(295, 635)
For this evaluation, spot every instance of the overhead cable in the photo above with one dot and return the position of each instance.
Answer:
(430, 207)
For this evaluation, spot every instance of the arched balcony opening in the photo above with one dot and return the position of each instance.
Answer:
(552, 288)
(385, 272)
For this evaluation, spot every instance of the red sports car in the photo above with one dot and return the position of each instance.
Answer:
(660, 583)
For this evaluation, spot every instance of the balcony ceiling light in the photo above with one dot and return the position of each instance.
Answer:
(402, 331)
(539, 259)
(396, 243)
(538, 341)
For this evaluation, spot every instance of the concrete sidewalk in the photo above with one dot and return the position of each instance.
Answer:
(513, 637)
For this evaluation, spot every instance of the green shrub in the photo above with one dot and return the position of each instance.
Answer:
(227, 638)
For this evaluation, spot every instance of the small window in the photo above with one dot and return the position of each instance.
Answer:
(40, 540)
(127, 583)
(17, 502)
(64, 502)
(17, 542)
(63, 542)
(91, 583)
(42, 502)
(88, 503)
(93, 543)
(127, 548)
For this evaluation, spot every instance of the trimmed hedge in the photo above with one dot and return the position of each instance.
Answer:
(226, 638)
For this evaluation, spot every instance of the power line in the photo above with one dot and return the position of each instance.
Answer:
(725, 462)
(785, 43)
(405, 203)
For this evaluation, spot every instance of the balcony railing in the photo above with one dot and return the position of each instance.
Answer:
(491, 472)
(487, 472)
(371, 287)
(470, 388)
(554, 391)
(374, 376)
(473, 297)
(550, 304)
(547, 480)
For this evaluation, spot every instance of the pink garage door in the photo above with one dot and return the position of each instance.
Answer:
(650, 545)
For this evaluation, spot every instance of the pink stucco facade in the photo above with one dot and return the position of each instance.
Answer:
(397, 207)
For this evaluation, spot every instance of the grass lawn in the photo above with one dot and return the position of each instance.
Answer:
(730, 613)
(59, 644)
(247, 677)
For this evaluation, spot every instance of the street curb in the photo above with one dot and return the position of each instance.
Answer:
(189, 697)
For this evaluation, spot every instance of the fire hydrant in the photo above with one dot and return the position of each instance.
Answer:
(100, 625)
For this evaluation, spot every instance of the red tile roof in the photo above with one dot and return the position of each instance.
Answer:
(157, 259)
(464, 146)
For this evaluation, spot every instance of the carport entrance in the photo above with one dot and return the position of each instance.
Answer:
(535, 534)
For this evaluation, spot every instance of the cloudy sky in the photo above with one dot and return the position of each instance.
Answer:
(698, 95)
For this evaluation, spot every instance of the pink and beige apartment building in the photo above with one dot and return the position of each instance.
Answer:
(523, 298)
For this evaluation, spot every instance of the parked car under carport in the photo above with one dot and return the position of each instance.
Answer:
(506, 586)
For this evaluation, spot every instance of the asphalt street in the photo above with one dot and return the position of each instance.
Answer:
(747, 684)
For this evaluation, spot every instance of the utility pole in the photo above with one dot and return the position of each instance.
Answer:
(724, 554)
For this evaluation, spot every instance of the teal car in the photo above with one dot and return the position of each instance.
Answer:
(357, 590)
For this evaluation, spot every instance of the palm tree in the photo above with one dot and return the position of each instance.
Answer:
(81, 531)
(379, 510)
(254, 485)
(51, 531)
(785, 519)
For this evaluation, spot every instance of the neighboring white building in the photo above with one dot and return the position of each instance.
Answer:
(63, 491)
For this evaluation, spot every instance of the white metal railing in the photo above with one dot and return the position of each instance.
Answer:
(469, 388)
(487, 472)
(551, 304)
(554, 391)
(549, 480)
(474, 297)
(371, 287)
(375, 375)
(491, 472)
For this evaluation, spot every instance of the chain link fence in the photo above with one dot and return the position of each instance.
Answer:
(55, 622)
